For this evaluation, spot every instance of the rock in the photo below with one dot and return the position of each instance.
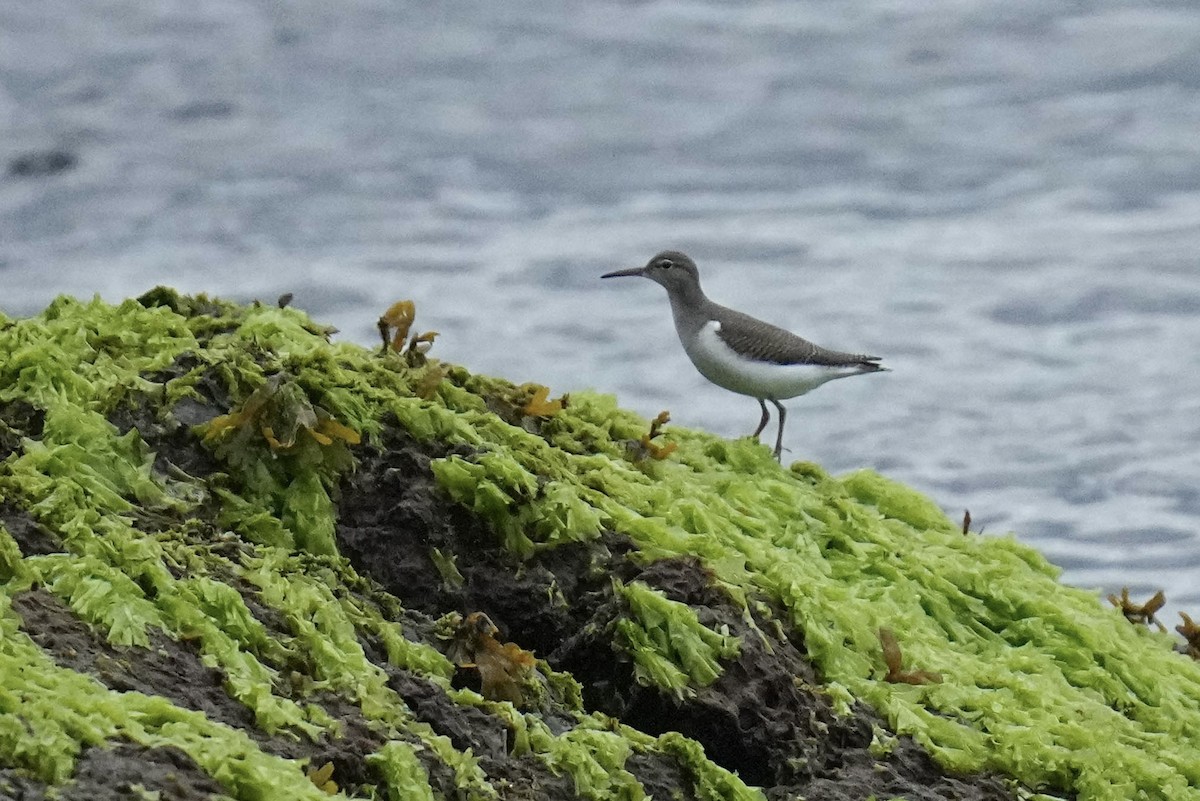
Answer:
(242, 559)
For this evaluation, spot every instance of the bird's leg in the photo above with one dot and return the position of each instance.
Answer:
(763, 422)
(779, 438)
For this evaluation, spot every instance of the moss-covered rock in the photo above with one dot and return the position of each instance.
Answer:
(239, 559)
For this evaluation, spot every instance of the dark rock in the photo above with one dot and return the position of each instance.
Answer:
(127, 771)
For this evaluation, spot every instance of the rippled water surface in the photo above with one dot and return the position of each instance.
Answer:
(1001, 198)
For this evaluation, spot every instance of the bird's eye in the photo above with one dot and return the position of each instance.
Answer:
(666, 264)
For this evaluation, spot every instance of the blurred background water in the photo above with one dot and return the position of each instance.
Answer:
(1002, 198)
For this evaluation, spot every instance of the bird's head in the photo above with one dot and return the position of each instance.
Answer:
(674, 270)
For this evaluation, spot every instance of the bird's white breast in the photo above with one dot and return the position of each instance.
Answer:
(721, 365)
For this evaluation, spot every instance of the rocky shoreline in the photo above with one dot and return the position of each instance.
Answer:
(241, 560)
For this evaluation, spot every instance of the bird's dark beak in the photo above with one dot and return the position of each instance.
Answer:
(620, 273)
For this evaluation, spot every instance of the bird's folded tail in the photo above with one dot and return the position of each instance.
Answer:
(870, 364)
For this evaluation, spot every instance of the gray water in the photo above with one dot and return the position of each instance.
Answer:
(1002, 198)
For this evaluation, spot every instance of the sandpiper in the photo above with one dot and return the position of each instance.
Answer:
(740, 353)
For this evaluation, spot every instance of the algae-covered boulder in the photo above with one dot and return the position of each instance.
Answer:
(241, 560)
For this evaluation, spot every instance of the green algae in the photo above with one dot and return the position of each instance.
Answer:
(405, 777)
(400, 651)
(527, 512)
(92, 485)
(671, 649)
(12, 565)
(594, 759)
(447, 567)
(711, 782)
(86, 481)
(1041, 682)
(85, 486)
(50, 713)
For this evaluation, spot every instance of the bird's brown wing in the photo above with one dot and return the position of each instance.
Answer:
(761, 341)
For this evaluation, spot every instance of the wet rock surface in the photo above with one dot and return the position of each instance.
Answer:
(17, 787)
(31, 536)
(175, 671)
(120, 773)
(168, 668)
(125, 772)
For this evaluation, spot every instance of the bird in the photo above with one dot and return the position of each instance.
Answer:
(741, 353)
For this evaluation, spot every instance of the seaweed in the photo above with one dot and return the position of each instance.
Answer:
(240, 559)
(1140, 613)
(895, 661)
(505, 669)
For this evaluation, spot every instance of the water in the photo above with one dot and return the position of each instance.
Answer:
(1001, 198)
